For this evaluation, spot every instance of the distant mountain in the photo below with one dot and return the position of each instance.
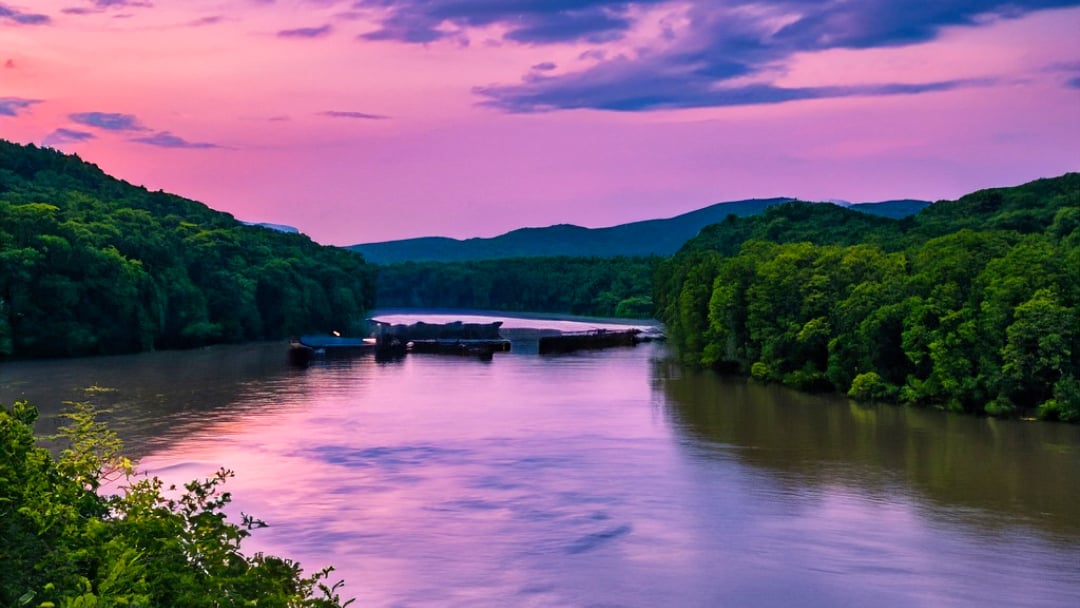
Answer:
(894, 209)
(275, 227)
(650, 237)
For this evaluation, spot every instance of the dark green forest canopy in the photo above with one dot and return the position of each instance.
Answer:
(93, 265)
(971, 305)
(605, 287)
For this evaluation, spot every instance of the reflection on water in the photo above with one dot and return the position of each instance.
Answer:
(1031, 471)
(609, 478)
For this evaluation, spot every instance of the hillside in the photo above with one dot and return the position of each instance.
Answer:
(90, 264)
(660, 237)
(972, 305)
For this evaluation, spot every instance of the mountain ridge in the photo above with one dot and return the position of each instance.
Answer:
(661, 237)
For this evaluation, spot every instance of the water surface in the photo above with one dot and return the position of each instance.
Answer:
(612, 478)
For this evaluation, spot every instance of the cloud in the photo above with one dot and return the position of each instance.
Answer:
(10, 64)
(64, 136)
(100, 6)
(11, 106)
(165, 139)
(362, 115)
(108, 121)
(1073, 83)
(527, 21)
(698, 64)
(122, 3)
(546, 66)
(306, 32)
(211, 20)
(21, 18)
(640, 93)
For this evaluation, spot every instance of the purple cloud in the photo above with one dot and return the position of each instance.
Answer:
(546, 66)
(11, 106)
(108, 121)
(363, 115)
(527, 21)
(122, 3)
(724, 41)
(306, 32)
(211, 20)
(100, 6)
(22, 18)
(64, 136)
(675, 93)
(165, 139)
(1073, 83)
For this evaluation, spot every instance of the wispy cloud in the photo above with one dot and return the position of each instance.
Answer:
(674, 93)
(108, 121)
(100, 6)
(1073, 83)
(165, 139)
(11, 106)
(306, 32)
(362, 115)
(64, 136)
(122, 3)
(22, 18)
(204, 21)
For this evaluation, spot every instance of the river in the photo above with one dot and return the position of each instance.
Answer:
(607, 478)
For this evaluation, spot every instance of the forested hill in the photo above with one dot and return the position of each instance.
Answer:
(972, 305)
(90, 264)
(660, 237)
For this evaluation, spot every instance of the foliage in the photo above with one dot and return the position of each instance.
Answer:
(971, 306)
(870, 387)
(93, 265)
(66, 542)
(606, 287)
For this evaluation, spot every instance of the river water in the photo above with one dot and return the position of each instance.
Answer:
(609, 478)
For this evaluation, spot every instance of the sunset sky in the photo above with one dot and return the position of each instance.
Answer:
(370, 120)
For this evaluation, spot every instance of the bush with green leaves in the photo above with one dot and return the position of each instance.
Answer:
(67, 540)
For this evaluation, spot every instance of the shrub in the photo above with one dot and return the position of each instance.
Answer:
(870, 387)
(65, 543)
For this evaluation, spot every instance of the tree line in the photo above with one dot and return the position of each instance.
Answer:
(604, 287)
(971, 306)
(93, 265)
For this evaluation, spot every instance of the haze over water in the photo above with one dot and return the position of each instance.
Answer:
(612, 478)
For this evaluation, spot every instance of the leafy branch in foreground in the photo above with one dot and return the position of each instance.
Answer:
(65, 542)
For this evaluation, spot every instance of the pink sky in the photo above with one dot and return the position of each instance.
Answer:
(369, 120)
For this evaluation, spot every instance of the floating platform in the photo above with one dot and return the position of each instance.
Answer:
(484, 349)
(597, 338)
